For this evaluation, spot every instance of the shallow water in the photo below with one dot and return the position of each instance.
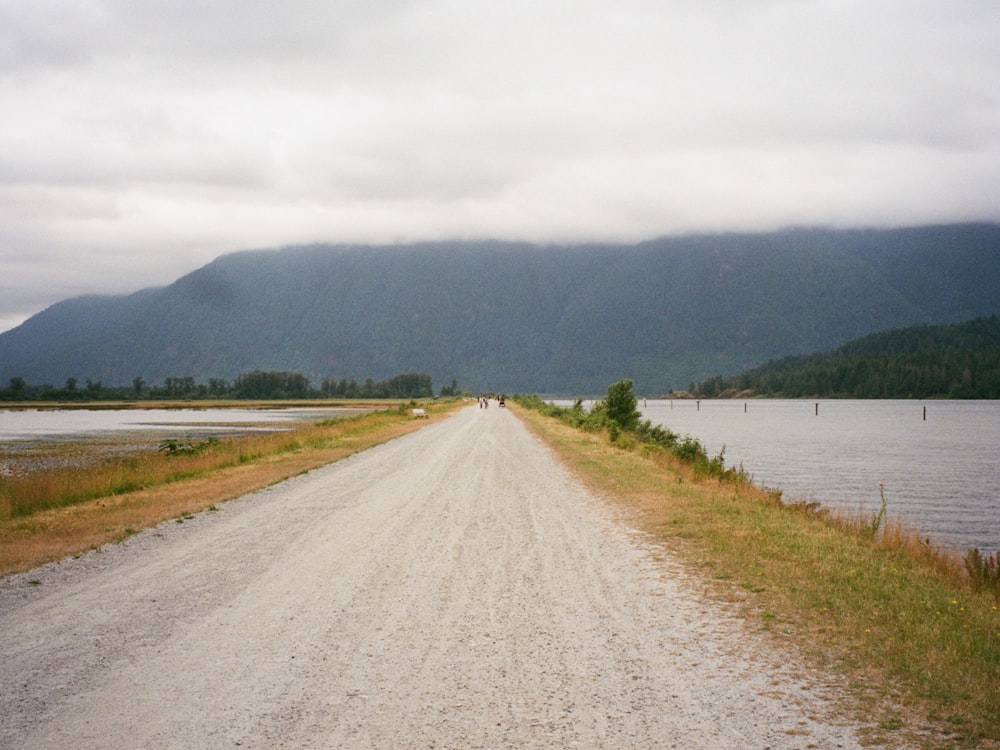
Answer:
(35, 424)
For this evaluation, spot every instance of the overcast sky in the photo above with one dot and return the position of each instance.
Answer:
(141, 139)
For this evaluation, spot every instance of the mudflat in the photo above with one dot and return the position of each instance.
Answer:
(454, 587)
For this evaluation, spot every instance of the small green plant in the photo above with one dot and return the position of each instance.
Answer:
(174, 447)
(688, 449)
(125, 534)
(891, 722)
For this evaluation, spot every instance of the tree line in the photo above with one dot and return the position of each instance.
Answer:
(953, 361)
(257, 385)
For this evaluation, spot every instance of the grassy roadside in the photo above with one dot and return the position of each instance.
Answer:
(918, 647)
(64, 512)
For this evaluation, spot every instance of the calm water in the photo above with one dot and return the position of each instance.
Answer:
(941, 475)
(41, 424)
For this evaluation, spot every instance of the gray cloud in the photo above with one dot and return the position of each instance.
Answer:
(140, 140)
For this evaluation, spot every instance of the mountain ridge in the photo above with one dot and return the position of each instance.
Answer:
(519, 316)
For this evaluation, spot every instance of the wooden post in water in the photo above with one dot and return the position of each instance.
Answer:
(697, 405)
(816, 408)
(744, 407)
(925, 413)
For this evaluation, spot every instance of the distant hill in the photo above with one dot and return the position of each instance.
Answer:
(519, 317)
(952, 361)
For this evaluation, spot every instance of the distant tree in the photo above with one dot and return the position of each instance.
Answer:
(408, 385)
(217, 387)
(70, 384)
(351, 390)
(138, 384)
(272, 385)
(184, 387)
(621, 405)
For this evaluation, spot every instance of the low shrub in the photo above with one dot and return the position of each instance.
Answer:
(172, 447)
(601, 417)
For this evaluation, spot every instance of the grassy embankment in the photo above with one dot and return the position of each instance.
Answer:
(48, 515)
(917, 645)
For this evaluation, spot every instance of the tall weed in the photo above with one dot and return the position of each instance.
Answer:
(983, 570)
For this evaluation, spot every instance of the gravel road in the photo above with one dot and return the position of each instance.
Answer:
(455, 588)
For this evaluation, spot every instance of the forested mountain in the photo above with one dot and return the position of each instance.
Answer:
(955, 361)
(519, 317)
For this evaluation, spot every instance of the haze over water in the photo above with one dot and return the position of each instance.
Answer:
(941, 475)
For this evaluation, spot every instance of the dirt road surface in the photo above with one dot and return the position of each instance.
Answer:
(455, 588)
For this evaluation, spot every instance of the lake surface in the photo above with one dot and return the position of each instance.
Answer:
(941, 475)
(57, 424)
